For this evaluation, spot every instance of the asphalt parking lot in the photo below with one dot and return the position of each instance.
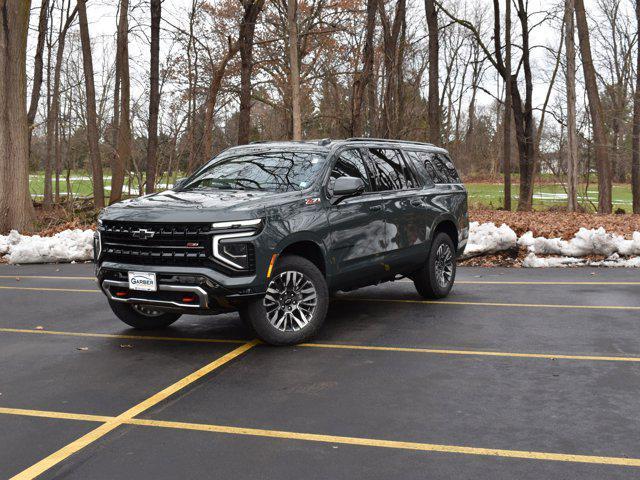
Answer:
(523, 374)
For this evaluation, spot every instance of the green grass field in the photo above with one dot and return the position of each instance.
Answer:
(481, 195)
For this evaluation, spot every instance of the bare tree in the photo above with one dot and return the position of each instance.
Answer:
(507, 150)
(603, 165)
(93, 137)
(154, 96)
(635, 153)
(363, 78)
(433, 112)
(572, 136)
(252, 9)
(16, 208)
(38, 65)
(122, 159)
(294, 68)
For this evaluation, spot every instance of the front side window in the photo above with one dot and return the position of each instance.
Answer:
(349, 164)
(387, 169)
(269, 171)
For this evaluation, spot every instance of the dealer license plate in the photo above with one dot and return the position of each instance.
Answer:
(144, 281)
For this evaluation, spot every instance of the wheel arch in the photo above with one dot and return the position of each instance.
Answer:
(307, 246)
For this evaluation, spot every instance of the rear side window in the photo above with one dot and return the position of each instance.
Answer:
(350, 164)
(389, 170)
(439, 167)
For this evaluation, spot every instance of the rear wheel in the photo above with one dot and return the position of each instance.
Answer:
(435, 279)
(143, 317)
(294, 306)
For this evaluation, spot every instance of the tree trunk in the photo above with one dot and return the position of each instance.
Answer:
(572, 136)
(93, 136)
(123, 156)
(635, 152)
(603, 165)
(507, 150)
(363, 79)
(16, 207)
(294, 68)
(433, 104)
(47, 200)
(154, 96)
(212, 97)
(247, 30)
(38, 65)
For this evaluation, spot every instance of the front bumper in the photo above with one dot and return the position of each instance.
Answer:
(193, 290)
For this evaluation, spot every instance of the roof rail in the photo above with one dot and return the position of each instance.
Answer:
(388, 140)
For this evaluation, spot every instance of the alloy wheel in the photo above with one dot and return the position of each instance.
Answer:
(290, 301)
(444, 265)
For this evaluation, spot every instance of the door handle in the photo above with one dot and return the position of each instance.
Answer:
(417, 203)
(375, 208)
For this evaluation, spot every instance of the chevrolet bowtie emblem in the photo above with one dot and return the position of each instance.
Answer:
(143, 233)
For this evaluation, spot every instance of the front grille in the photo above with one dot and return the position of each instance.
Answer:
(157, 243)
(177, 244)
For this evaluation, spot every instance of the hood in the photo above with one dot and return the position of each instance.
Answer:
(209, 206)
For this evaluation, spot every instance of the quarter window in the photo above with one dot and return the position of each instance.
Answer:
(439, 167)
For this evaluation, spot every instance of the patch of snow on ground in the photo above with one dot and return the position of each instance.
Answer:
(487, 238)
(585, 242)
(66, 246)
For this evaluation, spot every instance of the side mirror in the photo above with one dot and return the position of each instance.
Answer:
(179, 183)
(345, 187)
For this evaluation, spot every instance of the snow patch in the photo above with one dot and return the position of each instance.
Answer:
(66, 246)
(533, 261)
(487, 238)
(585, 242)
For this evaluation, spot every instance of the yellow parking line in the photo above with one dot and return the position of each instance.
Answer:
(123, 337)
(550, 356)
(46, 277)
(509, 282)
(40, 289)
(490, 304)
(49, 414)
(111, 424)
(371, 442)
(458, 282)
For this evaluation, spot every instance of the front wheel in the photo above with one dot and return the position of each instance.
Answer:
(143, 317)
(294, 306)
(435, 279)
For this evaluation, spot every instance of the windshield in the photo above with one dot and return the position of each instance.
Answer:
(270, 171)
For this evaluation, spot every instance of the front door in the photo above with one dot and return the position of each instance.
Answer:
(357, 226)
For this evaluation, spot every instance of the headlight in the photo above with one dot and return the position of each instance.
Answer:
(236, 254)
(97, 246)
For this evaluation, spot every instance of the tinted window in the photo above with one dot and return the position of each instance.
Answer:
(439, 167)
(387, 169)
(349, 164)
(272, 171)
(418, 164)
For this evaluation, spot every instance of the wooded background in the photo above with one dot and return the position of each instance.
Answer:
(140, 89)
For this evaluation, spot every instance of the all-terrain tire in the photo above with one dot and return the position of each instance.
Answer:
(134, 316)
(277, 319)
(435, 279)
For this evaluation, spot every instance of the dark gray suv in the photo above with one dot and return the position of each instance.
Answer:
(271, 229)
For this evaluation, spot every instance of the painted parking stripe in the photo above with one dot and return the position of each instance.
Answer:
(458, 282)
(307, 437)
(41, 289)
(489, 304)
(548, 356)
(46, 277)
(114, 422)
(390, 300)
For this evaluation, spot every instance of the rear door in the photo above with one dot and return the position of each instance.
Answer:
(358, 240)
(406, 232)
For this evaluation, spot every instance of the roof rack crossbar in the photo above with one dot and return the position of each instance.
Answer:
(387, 140)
